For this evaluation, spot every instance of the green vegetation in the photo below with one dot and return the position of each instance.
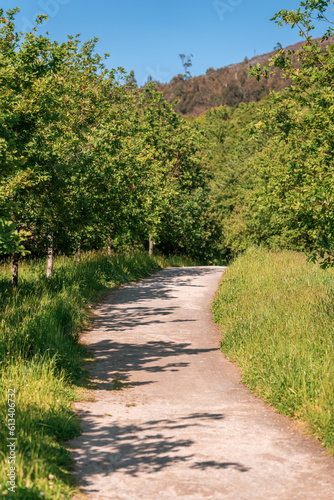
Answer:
(234, 179)
(273, 188)
(273, 161)
(89, 160)
(276, 314)
(41, 359)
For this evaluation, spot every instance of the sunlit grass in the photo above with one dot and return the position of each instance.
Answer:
(41, 359)
(44, 418)
(276, 314)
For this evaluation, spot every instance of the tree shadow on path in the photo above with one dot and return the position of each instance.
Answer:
(161, 284)
(127, 359)
(125, 311)
(136, 446)
(148, 447)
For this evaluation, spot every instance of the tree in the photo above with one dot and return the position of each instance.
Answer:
(186, 63)
(299, 193)
(18, 117)
(87, 156)
(52, 122)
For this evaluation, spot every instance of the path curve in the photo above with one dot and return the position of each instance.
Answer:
(185, 427)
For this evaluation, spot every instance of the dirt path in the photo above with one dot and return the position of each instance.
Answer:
(185, 428)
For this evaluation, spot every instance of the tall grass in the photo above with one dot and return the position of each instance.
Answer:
(41, 360)
(276, 313)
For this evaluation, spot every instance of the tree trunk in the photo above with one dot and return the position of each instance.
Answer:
(150, 246)
(109, 245)
(79, 252)
(132, 246)
(15, 269)
(49, 266)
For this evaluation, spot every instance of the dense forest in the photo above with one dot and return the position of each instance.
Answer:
(272, 160)
(91, 161)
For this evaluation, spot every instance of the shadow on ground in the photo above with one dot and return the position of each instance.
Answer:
(125, 311)
(160, 284)
(127, 308)
(149, 447)
(130, 448)
(117, 359)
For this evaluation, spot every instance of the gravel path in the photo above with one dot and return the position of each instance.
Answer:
(183, 426)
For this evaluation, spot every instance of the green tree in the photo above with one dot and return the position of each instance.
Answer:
(87, 157)
(298, 196)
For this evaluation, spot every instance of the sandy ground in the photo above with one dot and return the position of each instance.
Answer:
(184, 427)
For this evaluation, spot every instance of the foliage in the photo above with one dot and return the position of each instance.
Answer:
(276, 315)
(298, 163)
(85, 154)
(232, 148)
(272, 161)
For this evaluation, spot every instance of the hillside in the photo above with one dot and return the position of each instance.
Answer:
(230, 85)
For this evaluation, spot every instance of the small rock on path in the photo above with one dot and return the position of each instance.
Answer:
(182, 426)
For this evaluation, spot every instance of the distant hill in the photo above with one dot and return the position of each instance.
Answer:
(230, 85)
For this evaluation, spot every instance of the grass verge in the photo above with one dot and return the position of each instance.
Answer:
(276, 313)
(41, 363)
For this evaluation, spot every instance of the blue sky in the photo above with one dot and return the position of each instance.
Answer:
(148, 36)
